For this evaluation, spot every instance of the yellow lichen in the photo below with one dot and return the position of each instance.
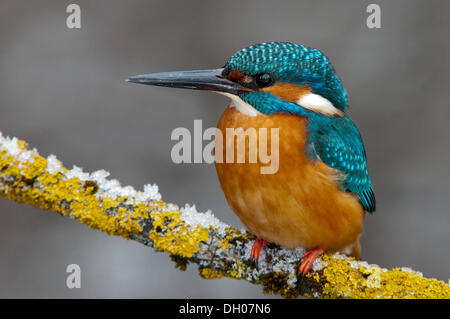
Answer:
(208, 273)
(225, 243)
(232, 234)
(172, 235)
(340, 280)
(238, 270)
(55, 189)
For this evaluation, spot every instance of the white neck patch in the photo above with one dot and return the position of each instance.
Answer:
(240, 105)
(317, 103)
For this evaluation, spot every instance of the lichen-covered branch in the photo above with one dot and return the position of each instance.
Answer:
(189, 236)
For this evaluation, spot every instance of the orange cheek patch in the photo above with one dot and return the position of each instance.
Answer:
(238, 76)
(288, 91)
(235, 76)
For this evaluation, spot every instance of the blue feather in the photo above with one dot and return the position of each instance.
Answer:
(337, 142)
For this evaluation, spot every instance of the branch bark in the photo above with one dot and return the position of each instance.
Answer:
(189, 236)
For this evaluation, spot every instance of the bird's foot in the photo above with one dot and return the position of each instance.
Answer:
(308, 259)
(256, 249)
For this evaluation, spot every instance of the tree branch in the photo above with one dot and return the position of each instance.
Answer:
(189, 236)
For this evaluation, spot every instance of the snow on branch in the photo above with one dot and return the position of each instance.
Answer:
(189, 236)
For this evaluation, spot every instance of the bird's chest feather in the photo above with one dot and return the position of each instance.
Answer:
(300, 204)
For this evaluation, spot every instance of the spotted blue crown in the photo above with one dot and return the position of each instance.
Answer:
(292, 63)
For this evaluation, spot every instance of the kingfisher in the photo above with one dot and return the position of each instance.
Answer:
(318, 196)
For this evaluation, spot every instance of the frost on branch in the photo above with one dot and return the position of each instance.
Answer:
(189, 236)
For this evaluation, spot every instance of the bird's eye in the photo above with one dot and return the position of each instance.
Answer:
(263, 79)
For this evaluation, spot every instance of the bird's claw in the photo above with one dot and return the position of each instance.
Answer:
(256, 249)
(308, 259)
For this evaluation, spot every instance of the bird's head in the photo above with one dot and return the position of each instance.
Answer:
(274, 77)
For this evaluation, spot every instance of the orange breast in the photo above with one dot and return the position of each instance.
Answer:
(301, 205)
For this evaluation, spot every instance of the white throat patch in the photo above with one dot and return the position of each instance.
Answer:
(240, 105)
(317, 103)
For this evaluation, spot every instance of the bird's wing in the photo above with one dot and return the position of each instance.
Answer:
(338, 144)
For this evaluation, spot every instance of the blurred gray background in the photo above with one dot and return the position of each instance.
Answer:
(63, 91)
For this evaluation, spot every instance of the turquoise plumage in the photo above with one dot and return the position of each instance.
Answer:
(337, 142)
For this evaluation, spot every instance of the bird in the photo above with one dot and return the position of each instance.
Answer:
(318, 196)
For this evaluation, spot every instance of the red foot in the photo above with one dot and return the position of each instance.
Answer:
(308, 259)
(256, 249)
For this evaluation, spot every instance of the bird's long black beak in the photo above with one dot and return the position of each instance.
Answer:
(212, 80)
